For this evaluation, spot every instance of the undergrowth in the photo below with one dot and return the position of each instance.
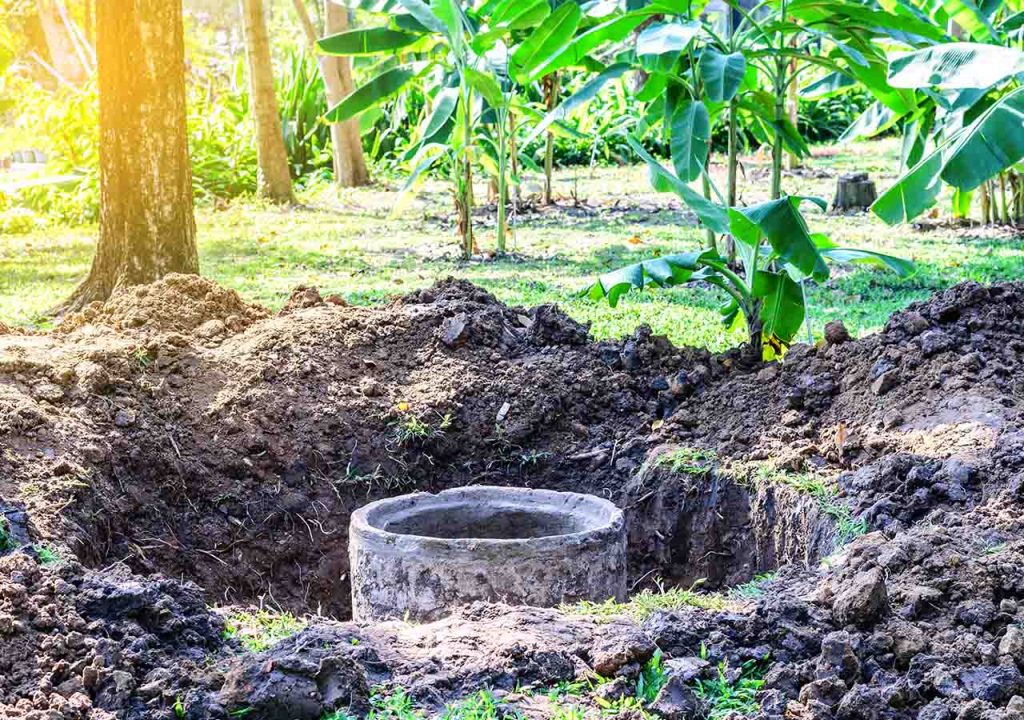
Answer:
(259, 630)
(724, 698)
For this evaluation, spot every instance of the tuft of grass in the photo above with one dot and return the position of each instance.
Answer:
(724, 698)
(819, 487)
(411, 428)
(259, 630)
(480, 706)
(753, 588)
(568, 712)
(647, 602)
(692, 461)
(47, 555)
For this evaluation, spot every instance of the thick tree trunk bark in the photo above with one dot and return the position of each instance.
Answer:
(275, 179)
(349, 163)
(147, 226)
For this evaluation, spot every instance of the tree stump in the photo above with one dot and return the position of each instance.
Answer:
(854, 191)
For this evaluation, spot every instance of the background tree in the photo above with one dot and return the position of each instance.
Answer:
(275, 180)
(347, 144)
(147, 225)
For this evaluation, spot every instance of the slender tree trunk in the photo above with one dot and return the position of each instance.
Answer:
(349, 163)
(64, 55)
(551, 85)
(792, 112)
(779, 115)
(147, 226)
(275, 178)
(347, 144)
(464, 175)
(502, 182)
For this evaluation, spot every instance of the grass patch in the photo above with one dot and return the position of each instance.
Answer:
(692, 461)
(819, 487)
(647, 602)
(261, 629)
(351, 247)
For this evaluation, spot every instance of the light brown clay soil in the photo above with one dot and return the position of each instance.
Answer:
(177, 430)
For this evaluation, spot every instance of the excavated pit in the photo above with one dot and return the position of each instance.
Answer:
(421, 556)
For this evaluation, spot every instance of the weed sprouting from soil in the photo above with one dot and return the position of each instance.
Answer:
(259, 630)
(725, 698)
(692, 461)
(652, 678)
(396, 705)
(647, 602)
(410, 428)
(6, 539)
(47, 555)
(753, 588)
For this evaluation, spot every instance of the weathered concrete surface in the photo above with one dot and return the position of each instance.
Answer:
(420, 556)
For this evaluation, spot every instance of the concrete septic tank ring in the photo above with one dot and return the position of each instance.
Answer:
(420, 556)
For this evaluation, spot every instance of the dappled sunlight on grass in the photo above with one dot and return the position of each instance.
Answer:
(347, 244)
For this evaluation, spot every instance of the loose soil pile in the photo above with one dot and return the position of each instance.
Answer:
(177, 430)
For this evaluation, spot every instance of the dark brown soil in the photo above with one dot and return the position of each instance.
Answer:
(176, 430)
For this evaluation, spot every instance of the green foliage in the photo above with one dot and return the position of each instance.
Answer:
(396, 705)
(7, 541)
(47, 555)
(776, 254)
(652, 678)
(724, 697)
(259, 630)
(409, 427)
(18, 221)
(753, 588)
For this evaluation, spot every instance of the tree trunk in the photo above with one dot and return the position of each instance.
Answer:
(551, 86)
(347, 144)
(147, 226)
(349, 163)
(275, 178)
(854, 191)
(64, 55)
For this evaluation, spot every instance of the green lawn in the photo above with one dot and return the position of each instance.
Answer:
(349, 245)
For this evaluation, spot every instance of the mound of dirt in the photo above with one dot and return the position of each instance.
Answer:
(90, 645)
(233, 456)
(943, 377)
(178, 303)
(236, 459)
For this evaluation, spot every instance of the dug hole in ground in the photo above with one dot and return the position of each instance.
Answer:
(854, 514)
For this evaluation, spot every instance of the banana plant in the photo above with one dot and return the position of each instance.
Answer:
(776, 254)
(977, 127)
(475, 56)
(950, 79)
